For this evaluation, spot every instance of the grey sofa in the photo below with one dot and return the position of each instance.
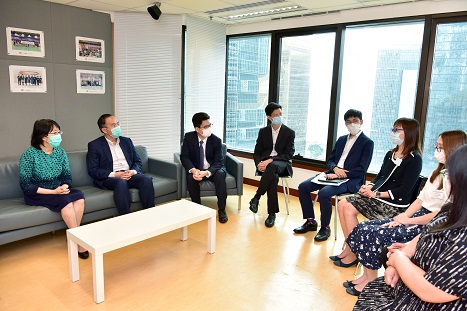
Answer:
(19, 221)
(233, 179)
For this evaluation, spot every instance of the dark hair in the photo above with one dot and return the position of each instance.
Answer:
(412, 135)
(101, 121)
(353, 113)
(457, 170)
(451, 140)
(199, 117)
(271, 107)
(40, 130)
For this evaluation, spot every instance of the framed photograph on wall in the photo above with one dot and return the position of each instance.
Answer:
(90, 81)
(27, 79)
(25, 42)
(90, 50)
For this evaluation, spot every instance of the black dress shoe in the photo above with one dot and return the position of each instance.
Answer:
(254, 205)
(270, 220)
(83, 255)
(348, 284)
(339, 263)
(223, 216)
(307, 226)
(352, 291)
(335, 257)
(323, 234)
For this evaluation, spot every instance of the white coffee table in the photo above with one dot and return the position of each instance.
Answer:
(110, 234)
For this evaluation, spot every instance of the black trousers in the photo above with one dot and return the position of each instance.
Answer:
(218, 179)
(122, 194)
(268, 183)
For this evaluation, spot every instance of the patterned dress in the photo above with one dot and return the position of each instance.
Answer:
(443, 256)
(368, 238)
(40, 170)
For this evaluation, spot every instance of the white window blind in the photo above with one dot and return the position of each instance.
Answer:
(147, 56)
(205, 72)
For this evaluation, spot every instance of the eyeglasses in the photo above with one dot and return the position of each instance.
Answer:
(206, 126)
(437, 147)
(351, 122)
(56, 133)
(114, 125)
(395, 129)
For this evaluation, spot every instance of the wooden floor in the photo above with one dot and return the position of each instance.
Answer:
(254, 268)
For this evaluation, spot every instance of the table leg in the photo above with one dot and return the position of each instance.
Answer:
(184, 233)
(212, 234)
(73, 262)
(98, 277)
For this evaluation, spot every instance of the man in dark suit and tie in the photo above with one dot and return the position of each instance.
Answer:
(273, 154)
(114, 164)
(349, 159)
(202, 158)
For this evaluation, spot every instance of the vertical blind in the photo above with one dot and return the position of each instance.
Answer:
(147, 56)
(205, 72)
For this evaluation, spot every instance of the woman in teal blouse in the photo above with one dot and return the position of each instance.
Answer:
(45, 176)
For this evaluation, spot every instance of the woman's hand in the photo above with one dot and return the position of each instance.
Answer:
(63, 189)
(391, 276)
(402, 219)
(391, 224)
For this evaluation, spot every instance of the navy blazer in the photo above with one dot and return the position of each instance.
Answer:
(357, 161)
(189, 155)
(285, 146)
(99, 158)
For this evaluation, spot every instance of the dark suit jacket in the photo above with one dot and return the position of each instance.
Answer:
(99, 158)
(285, 146)
(213, 152)
(357, 161)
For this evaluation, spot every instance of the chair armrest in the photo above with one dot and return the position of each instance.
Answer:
(235, 168)
(166, 169)
(182, 174)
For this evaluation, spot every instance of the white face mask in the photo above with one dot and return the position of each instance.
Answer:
(440, 156)
(354, 128)
(206, 132)
(396, 139)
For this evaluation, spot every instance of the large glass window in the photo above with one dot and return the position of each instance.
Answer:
(305, 90)
(379, 78)
(447, 104)
(247, 89)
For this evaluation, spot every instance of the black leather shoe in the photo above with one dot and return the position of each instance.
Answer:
(254, 205)
(323, 234)
(270, 220)
(348, 284)
(223, 216)
(335, 258)
(352, 291)
(83, 255)
(339, 263)
(307, 226)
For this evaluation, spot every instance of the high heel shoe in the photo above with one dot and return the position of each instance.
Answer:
(339, 263)
(348, 284)
(335, 258)
(83, 255)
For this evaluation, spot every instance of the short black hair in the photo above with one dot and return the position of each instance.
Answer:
(101, 121)
(271, 107)
(353, 113)
(41, 129)
(199, 117)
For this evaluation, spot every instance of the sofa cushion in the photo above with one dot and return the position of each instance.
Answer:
(162, 186)
(78, 168)
(143, 154)
(9, 187)
(96, 199)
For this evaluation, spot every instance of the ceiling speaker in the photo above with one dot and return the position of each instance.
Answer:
(155, 11)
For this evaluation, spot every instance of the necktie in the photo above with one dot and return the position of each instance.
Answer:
(201, 155)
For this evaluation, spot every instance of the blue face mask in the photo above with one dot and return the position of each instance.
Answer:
(277, 120)
(116, 132)
(55, 140)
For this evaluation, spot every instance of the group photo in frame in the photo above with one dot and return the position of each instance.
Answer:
(25, 42)
(90, 81)
(90, 50)
(27, 79)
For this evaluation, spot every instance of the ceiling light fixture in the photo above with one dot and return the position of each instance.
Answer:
(263, 12)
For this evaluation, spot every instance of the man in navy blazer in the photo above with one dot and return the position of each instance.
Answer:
(349, 159)
(113, 163)
(202, 158)
(274, 149)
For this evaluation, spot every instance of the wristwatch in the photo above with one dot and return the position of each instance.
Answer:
(378, 194)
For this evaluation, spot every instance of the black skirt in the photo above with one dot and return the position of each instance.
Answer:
(54, 202)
